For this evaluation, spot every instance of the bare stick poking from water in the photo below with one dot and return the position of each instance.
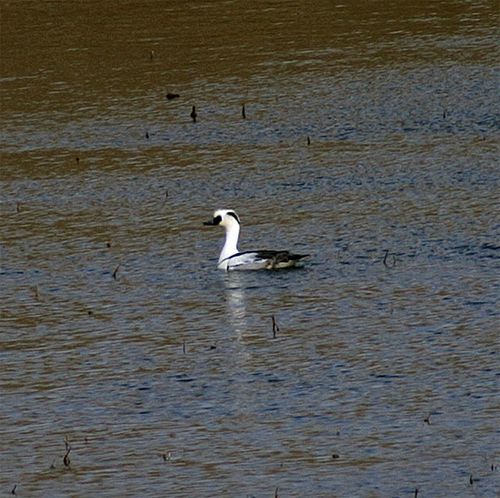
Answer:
(184, 347)
(416, 492)
(276, 492)
(276, 329)
(472, 480)
(193, 114)
(151, 55)
(115, 272)
(146, 135)
(243, 113)
(66, 460)
(13, 492)
(428, 419)
(308, 140)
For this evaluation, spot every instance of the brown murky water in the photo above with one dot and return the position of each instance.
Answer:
(118, 333)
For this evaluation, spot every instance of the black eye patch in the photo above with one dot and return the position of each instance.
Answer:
(234, 215)
(217, 219)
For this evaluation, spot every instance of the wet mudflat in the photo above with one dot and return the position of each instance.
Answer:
(131, 366)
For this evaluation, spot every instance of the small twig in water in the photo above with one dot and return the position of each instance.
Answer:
(416, 492)
(66, 460)
(184, 347)
(115, 272)
(276, 492)
(472, 480)
(13, 492)
(428, 419)
(243, 113)
(308, 140)
(193, 114)
(276, 329)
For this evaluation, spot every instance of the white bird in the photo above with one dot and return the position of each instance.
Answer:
(232, 259)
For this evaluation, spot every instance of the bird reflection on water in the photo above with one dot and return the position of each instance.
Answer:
(236, 303)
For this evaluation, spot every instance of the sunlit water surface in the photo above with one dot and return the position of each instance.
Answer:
(165, 376)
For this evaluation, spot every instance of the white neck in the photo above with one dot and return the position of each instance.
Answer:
(231, 244)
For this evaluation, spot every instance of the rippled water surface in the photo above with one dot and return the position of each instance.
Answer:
(370, 142)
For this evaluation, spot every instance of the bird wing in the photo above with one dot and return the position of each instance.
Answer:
(263, 259)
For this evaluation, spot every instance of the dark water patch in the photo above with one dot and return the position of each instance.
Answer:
(490, 246)
(183, 378)
(387, 376)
